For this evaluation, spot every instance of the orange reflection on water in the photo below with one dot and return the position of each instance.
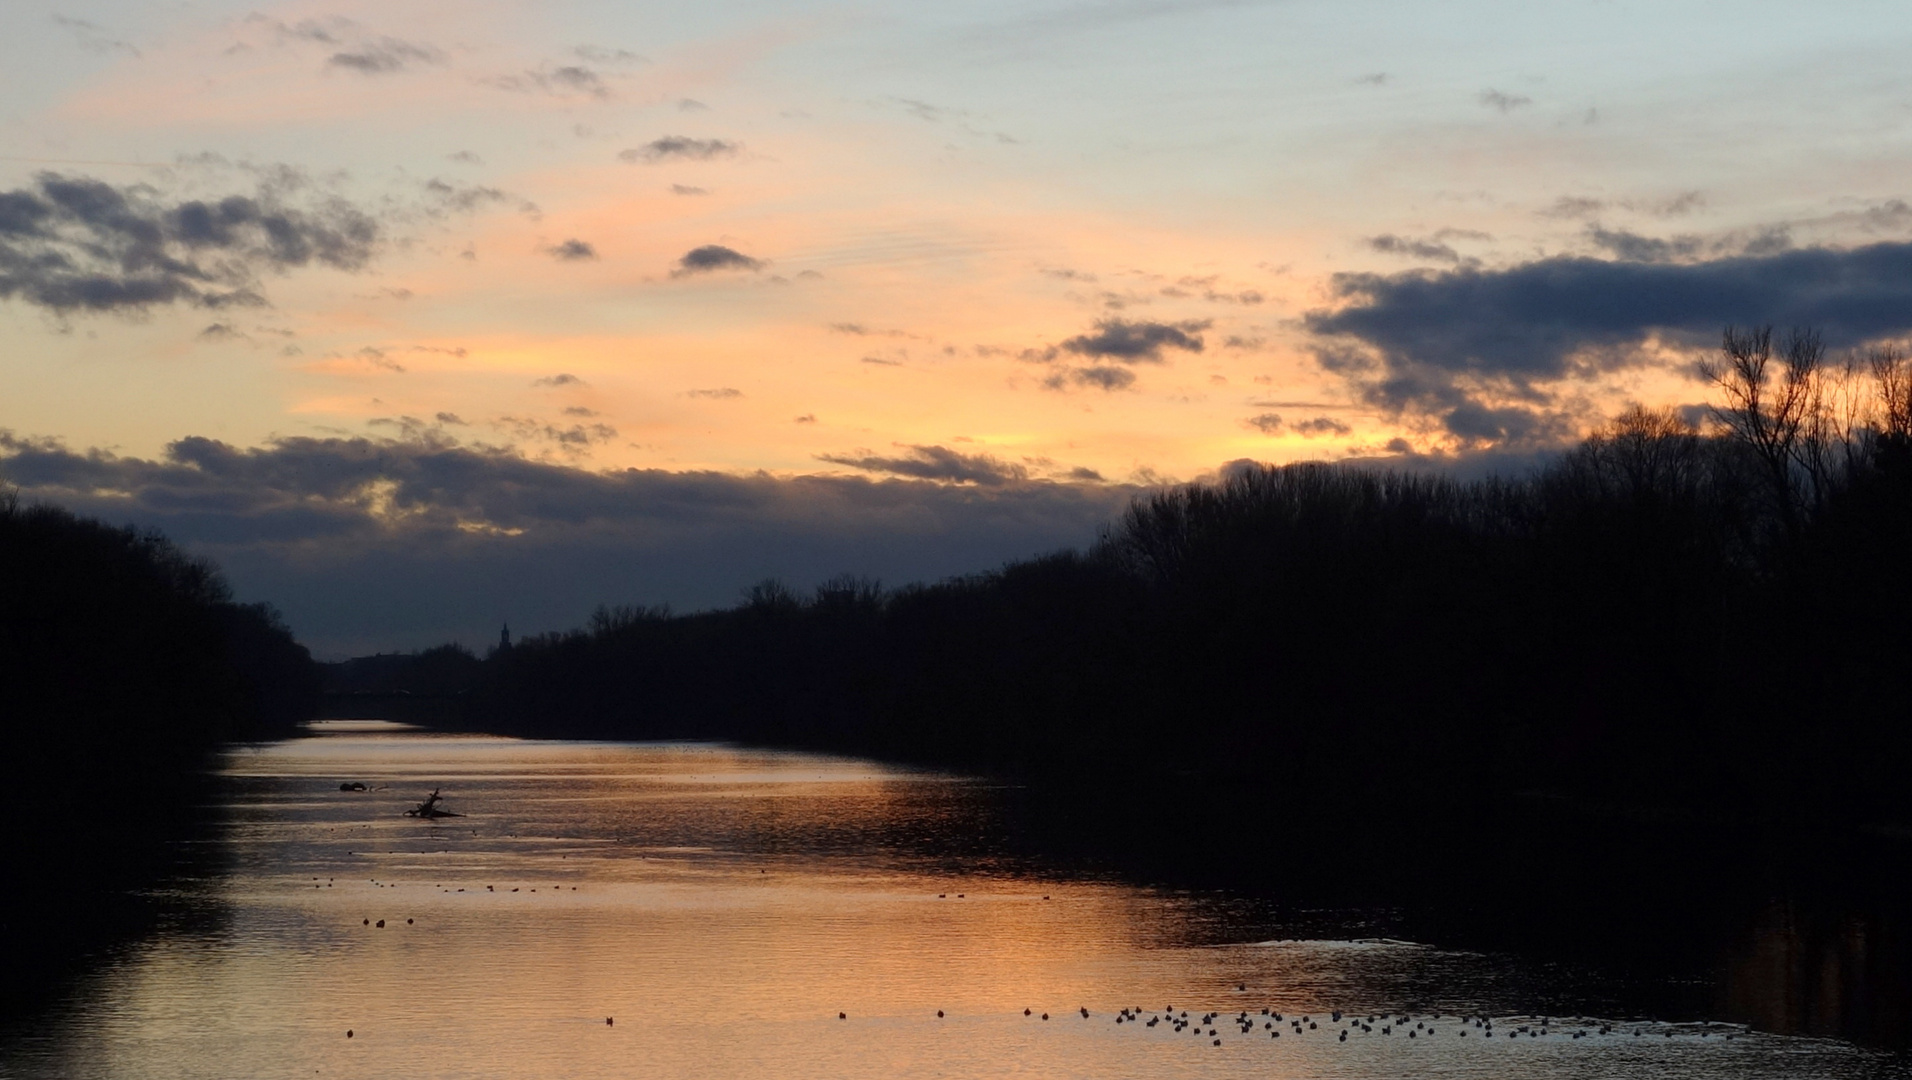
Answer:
(723, 907)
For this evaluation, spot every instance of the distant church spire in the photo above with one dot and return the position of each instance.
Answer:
(504, 639)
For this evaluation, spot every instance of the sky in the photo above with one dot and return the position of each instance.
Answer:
(423, 316)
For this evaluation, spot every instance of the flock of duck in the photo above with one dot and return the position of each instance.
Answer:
(1274, 1024)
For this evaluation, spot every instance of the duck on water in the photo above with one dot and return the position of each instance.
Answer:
(429, 808)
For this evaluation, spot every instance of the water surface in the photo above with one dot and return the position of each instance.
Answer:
(742, 913)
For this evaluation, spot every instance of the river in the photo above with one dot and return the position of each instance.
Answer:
(698, 910)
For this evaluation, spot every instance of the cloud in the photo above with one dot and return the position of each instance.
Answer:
(680, 147)
(714, 257)
(72, 243)
(1321, 425)
(465, 157)
(936, 463)
(686, 189)
(1378, 78)
(380, 544)
(1390, 244)
(1266, 423)
(572, 440)
(599, 55)
(467, 198)
(1137, 342)
(722, 393)
(1573, 206)
(450, 418)
(1449, 343)
(562, 80)
(579, 410)
(383, 56)
(1679, 205)
(691, 105)
(572, 250)
(806, 418)
(1494, 99)
(95, 38)
(1099, 377)
(862, 330)
(1636, 248)
(561, 379)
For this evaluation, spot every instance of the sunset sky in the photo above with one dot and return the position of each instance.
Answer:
(420, 316)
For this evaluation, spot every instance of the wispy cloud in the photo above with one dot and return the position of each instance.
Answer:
(95, 38)
(384, 56)
(680, 148)
(1495, 99)
(936, 463)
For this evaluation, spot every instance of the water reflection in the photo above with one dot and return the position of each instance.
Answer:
(723, 907)
(1800, 971)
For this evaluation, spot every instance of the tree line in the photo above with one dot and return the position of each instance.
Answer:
(1663, 617)
(124, 664)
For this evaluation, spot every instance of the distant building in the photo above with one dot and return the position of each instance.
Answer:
(504, 639)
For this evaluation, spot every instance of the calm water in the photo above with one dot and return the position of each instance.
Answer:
(724, 906)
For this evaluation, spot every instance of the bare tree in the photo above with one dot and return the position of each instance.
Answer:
(1892, 385)
(1785, 422)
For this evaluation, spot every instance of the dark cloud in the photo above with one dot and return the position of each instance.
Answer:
(562, 379)
(721, 393)
(1137, 342)
(1266, 423)
(714, 257)
(1494, 99)
(373, 545)
(465, 157)
(881, 361)
(680, 147)
(579, 410)
(1099, 377)
(383, 56)
(450, 418)
(77, 244)
(936, 463)
(572, 250)
(686, 189)
(806, 418)
(1378, 78)
(691, 105)
(1447, 343)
